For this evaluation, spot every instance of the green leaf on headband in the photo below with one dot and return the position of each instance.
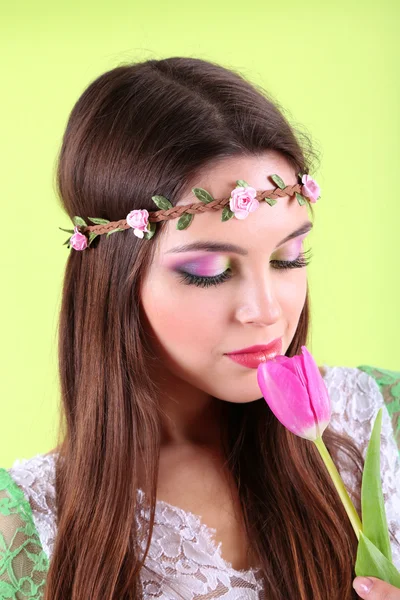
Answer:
(202, 195)
(271, 201)
(162, 202)
(301, 200)
(99, 221)
(114, 230)
(184, 221)
(372, 504)
(242, 183)
(67, 230)
(279, 181)
(92, 236)
(370, 562)
(300, 176)
(79, 222)
(67, 242)
(149, 234)
(226, 214)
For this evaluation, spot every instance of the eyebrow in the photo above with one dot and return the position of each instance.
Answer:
(223, 247)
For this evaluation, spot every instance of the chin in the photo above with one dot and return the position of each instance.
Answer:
(237, 396)
(243, 401)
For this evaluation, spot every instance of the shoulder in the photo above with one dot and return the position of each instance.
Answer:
(34, 477)
(34, 472)
(24, 559)
(388, 383)
(356, 397)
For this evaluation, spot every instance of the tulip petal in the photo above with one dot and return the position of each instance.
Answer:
(317, 391)
(290, 363)
(287, 398)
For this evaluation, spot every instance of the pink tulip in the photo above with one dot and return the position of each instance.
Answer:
(296, 393)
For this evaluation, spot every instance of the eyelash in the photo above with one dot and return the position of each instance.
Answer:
(301, 261)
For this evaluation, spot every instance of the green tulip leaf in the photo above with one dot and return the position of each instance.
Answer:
(202, 195)
(184, 221)
(279, 181)
(242, 183)
(162, 202)
(271, 201)
(227, 214)
(301, 200)
(152, 227)
(79, 222)
(373, 513)
(67, 230)
(370, 562)
(99, 221)
(67, 242)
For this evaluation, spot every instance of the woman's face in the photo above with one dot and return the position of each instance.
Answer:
(190, 326)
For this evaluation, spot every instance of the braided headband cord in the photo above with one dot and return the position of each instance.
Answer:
(197, 207)
(243, 200)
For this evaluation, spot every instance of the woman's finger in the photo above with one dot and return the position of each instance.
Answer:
(375, 589)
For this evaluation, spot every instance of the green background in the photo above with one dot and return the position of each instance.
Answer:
(335, 71)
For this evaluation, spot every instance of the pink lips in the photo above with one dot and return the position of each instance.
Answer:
(254, 355)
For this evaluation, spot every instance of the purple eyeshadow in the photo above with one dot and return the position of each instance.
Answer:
(207, 266)
(211, 265)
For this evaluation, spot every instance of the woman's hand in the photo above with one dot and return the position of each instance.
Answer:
(372, 588)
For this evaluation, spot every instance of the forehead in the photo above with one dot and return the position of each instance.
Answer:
(267, 225)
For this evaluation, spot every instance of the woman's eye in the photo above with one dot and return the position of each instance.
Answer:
(202, 281)
(301, 261)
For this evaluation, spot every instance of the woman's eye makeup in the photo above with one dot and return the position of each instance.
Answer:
(205, 271)
(216, 269)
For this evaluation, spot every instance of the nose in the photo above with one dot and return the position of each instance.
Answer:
(258, 303)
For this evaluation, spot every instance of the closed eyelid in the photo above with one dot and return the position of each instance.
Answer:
(206, 266)
(220, 262)
(292, 245)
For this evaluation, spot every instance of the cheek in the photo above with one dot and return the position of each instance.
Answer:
(184, 322)
(292, 296)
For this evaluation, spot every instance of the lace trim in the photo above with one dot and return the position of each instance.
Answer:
(36, 476)
(183, 543)
(389, 385)
(356, 399)
(186, 545)
(23, 563)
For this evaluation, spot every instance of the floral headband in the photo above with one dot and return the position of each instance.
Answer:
(243, 200)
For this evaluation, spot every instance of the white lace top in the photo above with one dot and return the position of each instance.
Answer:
(184, 546)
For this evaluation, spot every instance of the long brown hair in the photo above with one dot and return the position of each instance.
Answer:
(139, 130)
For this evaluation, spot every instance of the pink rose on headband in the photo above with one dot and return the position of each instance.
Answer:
(78, 241)
(310, 189)
(138, 219)
(243, 201)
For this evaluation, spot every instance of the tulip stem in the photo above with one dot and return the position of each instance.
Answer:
(339, 485)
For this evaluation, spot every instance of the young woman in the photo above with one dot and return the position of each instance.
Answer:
(172, 478)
